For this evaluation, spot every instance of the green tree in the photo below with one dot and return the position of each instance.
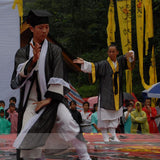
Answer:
(80, 27)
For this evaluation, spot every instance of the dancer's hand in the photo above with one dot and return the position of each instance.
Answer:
(36, 51)
(78, 60)
(130, 55)
(41, 104)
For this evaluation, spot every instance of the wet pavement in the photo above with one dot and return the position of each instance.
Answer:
(131, 147)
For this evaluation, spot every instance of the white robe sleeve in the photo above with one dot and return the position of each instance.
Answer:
(86, 67)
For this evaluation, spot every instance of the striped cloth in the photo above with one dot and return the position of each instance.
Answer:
(74, 95)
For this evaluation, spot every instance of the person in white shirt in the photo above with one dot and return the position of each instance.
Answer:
(86, 118)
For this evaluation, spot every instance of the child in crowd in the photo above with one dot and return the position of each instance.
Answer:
(13, 117)
(127, 115)
(5, 125)
(94, 119)
(2, 104)
(13, 100)
(86, 118)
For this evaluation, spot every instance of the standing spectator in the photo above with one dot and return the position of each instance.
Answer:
(86, 118)
(157, 118)
(5, 125)
(110, 74)
(77, 117)
(127, 115)
(94, 119)
(120, 128)
(2, 104)
(13, 117)
(151, 115)
(75, 114)
(139, 120)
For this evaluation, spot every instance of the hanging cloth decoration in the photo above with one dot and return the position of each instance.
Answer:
(111, 24)
(124, 18)
(19, 4)
(140, 5)
(149, 22)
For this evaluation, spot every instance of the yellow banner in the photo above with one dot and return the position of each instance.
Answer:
(149, 22)
(111, 24)
(19, 4)
(140, 34)
(124, 18)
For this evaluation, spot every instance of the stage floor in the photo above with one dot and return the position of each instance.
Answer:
(131, 147)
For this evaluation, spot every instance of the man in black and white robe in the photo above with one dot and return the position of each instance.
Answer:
(110, 74)
(43, 115)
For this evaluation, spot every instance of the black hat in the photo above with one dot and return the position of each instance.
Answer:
(36, 17)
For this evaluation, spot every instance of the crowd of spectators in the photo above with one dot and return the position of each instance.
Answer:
(137, 117)
(8, 116)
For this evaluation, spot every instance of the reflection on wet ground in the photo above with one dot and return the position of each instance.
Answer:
(131, 147)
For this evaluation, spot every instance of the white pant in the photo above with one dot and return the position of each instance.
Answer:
(65, 129)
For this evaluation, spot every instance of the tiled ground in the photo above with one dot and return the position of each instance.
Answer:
(131, 147)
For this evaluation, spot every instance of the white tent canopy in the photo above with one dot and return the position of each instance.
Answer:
(9, 44)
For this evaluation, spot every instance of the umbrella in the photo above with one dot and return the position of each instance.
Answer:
(153, 91)
(127, 96)
(92, 101)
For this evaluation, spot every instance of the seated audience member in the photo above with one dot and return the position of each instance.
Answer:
(139, 120)
(94, 119)
(157, 118)
(13, 117)
(86, 118)
(5, 125)
(127, 115)
(151, 113)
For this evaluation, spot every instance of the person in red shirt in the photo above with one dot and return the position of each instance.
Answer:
(151, 113)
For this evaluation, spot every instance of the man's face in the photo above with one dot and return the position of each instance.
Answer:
(86, 107)
(138, 108)
(2, 105)
(2, 114)
(112, 53)
(12, 109)
(148, 102)
(12, 101)
(40, 32)
(73, 106)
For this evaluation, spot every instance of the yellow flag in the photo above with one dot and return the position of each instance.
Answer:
(149, 22)
(124, 18)
(148, 34)
(19, 4)
(111, 24)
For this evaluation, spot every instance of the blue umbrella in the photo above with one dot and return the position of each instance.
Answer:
(154, 91)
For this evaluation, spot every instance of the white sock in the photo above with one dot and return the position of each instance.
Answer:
(81, 149)
(113, 132)
(105, 135)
